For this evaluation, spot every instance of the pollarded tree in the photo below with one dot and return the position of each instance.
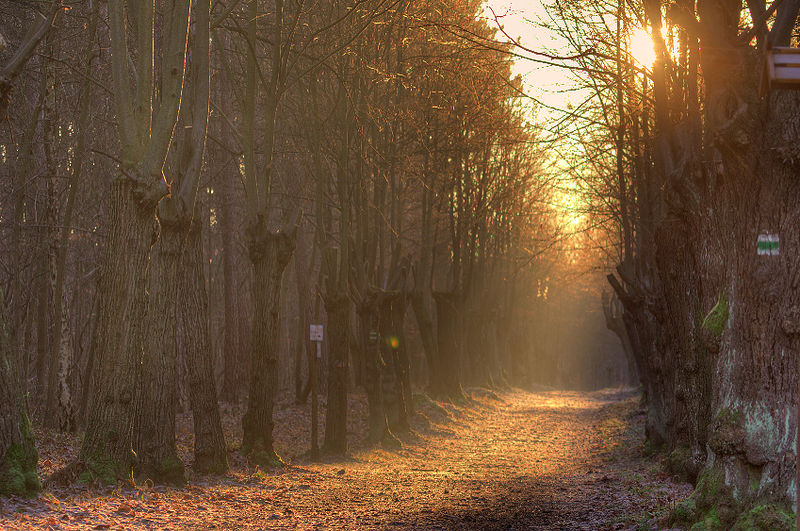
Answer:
(715, 322)
(175, 273)
(269, 250)
(755, 375)
(145, 136)
(210, 454)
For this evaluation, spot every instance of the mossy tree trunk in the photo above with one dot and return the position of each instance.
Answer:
(717, 321)
(145, 139)
(753, 435)
(269, 253)
(18, 457)
(106, 451)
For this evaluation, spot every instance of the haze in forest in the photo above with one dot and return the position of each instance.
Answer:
(249, 239)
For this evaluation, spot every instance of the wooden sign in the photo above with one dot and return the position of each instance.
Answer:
(316, 332)
(781, 69)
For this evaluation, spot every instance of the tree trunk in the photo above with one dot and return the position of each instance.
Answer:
(154, 423)
(231, 349)
(392, 396)
(368, 331)
(426, 331)
(270, 253)
(492, 352)
(301, 349)
(65, 405)
(42, 304)
(612, 310)
(449, 377)
(18, 457)
(63, 415)
(337, 306)
(401, 363)
(753, 434)
(210, 453)
(106, 451)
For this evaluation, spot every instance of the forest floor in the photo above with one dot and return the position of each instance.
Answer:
(500, 460)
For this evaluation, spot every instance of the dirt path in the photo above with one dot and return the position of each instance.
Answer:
(517, 460)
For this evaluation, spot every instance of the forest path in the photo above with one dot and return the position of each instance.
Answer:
(511, 460)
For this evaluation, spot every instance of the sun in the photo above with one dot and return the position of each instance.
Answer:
(641, 47)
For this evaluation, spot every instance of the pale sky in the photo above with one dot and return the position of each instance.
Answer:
(550, 84)
(522, 19)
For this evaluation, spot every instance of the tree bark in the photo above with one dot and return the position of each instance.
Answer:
(337, 306)
(367, 312)
(154, 422)
(270, 253)
(449, 376)
(426, 331)
(18, 457)
(231, 348)
(753, 434)
(106, 451)
(210, 453)
(390, 383)
(402, 390)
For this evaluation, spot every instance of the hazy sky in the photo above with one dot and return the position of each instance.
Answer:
(522, 19)
(550, 84)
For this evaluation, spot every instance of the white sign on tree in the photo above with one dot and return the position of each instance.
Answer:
(316, 332)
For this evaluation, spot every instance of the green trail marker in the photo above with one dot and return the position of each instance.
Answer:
(769, 244)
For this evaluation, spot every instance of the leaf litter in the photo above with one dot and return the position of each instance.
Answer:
(501, 460)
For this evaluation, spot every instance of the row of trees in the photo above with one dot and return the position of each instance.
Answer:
(685, 165)
(159, 157)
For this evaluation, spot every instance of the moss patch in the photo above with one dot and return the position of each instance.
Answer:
(710, 486)
(18, 474)
(712, 506)
(171, 470)
(684, 513)
(211, 464)
(677, 461)
(266, 458)
(710, 522)
(716, 508)
(727, 432)
(770, 516)
(718, 316)
(100, 469)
